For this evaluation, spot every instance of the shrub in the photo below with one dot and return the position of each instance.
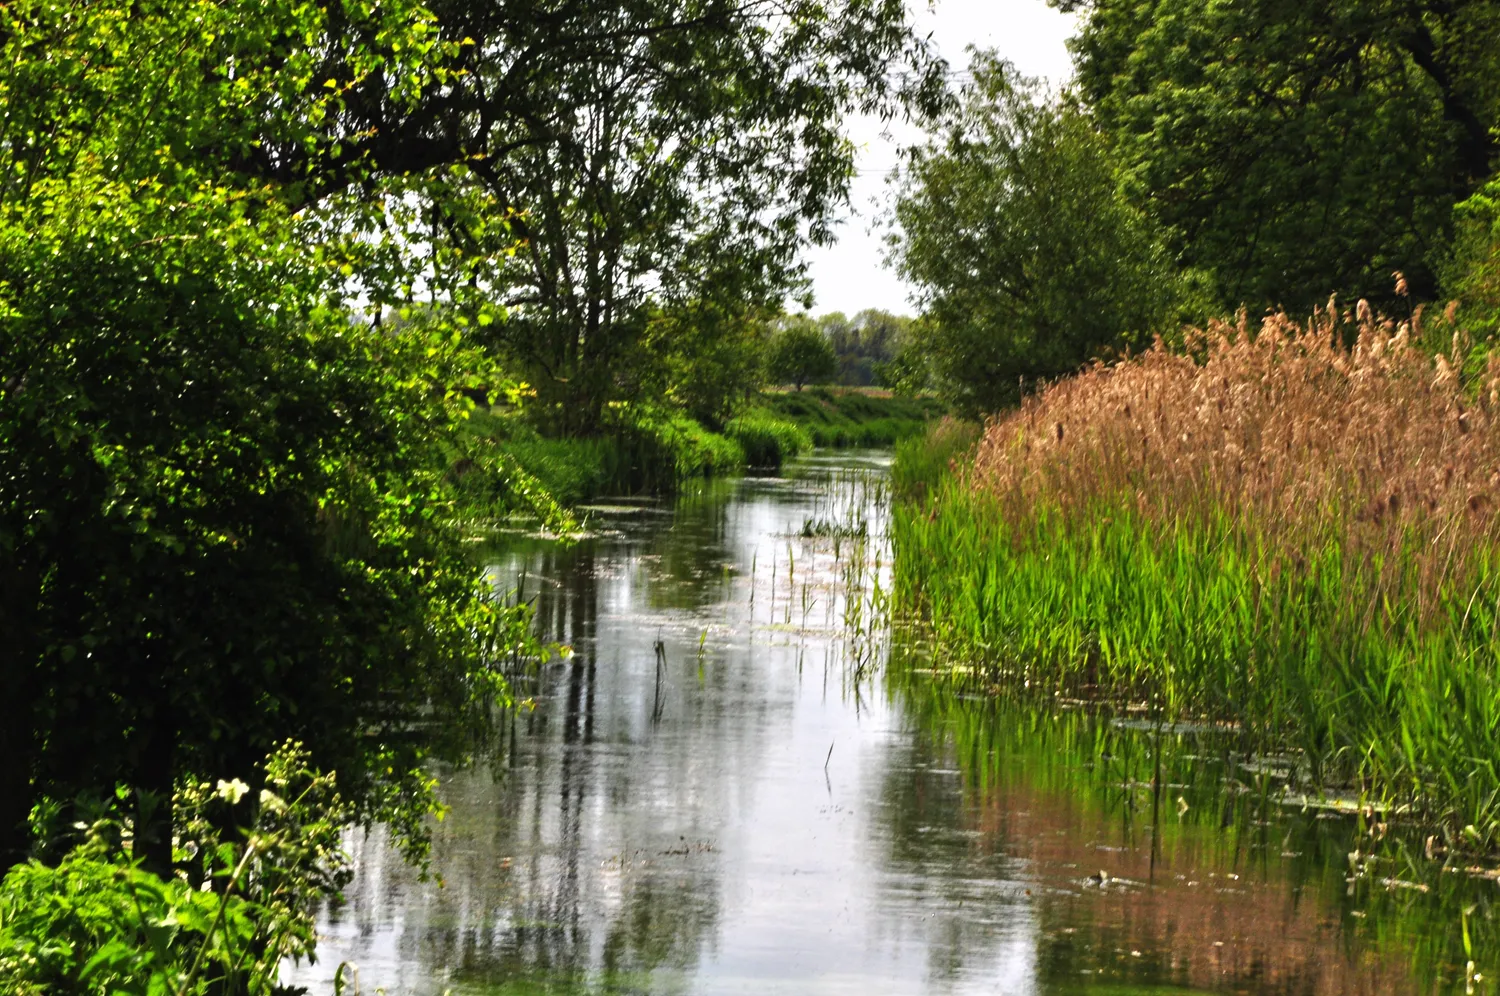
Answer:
(767, 441)
(98, 924)
(852, 418)
(1473, 270)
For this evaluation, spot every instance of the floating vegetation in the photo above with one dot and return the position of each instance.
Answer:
(823, 527)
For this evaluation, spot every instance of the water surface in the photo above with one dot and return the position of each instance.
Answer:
(722, 791)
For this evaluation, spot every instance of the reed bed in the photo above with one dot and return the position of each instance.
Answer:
(1291, 528)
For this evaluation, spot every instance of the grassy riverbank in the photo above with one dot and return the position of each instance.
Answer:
(1291, 537)
(851, 417)
(503, 465)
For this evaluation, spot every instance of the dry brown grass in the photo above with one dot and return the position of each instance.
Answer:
(1292, 526)
(1280, 426)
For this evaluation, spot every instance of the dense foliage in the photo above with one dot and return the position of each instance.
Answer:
(216, 488)
(1295, 149)
(1472, 269)
(96, 923)
(1027, 259)
(800, 354)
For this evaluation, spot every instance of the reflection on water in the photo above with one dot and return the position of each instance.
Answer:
(719, 793)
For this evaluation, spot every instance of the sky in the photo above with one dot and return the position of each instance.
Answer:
(850, 275)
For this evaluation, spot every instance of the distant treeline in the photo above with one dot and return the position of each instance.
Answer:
(864, 347)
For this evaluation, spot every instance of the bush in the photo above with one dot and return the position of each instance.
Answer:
(98, 924)
(1472, 273)
(661, 449)
(503, 466)
(852, 418)
(767, 441)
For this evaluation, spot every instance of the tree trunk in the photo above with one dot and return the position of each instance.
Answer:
(1476, 146)
(154, 777)
(18, 691)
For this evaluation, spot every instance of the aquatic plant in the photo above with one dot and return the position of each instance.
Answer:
(1291, 528)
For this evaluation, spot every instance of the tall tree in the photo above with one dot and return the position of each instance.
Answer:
(1298, 148)
(865, 344)
(1027, 260)
(605, 159)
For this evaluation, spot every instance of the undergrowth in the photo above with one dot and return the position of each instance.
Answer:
(768, 441)
(502, 466)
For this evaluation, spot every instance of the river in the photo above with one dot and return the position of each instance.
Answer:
(723, 791)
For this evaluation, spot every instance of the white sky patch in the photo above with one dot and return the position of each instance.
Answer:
(850, 275)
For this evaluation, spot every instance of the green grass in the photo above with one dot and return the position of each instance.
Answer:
(1319, 652)
(833, 417)
(768, 441)
(660, 450)
(503, 466)
(924, 460)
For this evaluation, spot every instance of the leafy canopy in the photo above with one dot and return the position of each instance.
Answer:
(1292, 148)
(800, 354)
(1027, 260)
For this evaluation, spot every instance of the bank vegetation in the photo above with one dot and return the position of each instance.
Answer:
(1292, 528)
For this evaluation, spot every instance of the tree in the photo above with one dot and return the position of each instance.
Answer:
(593, 163)
(800, 354)
(1027, 260)
(222, 516)
(1472, 270)
(1297, 148)
(864, 344)
(704, 358)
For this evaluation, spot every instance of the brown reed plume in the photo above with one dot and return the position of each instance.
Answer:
(1282, 427)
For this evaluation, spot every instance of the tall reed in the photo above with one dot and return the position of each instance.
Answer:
(1291, 527)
